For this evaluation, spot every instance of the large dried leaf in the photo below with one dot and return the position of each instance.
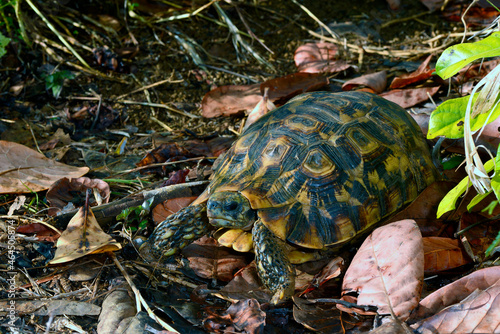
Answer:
(388, 270)
(83, 236)
(282, 89)
(316, 318)
(457, 291)
(478, 313)
(442, 254)
(23, 170)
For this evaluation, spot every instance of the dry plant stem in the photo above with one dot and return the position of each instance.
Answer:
(403, 19)
(462, 18)
(139, 299)
(250, 32)
(163, 125)
(158, 105)
(321, 24)
(61, 38)
(148, 87)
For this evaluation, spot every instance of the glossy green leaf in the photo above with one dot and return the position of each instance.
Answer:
(476, 200)
(448, 118)
(449, 201)
(458, 56)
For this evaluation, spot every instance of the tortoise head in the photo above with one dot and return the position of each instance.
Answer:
(230, 209)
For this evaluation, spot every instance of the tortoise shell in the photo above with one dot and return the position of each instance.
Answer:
(326, 166)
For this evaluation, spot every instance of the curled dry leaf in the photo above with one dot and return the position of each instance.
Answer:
(423, 73)
(83, 236)
(64, 191)
(442, 254)
(478, 313)
(409, 97)
(376, 81)
(319, 58)
(457, 291)
(23, 170)
(210, 260)
(388, 270)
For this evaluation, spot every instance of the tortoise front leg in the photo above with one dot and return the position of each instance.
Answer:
(176, 232)
(273, 265)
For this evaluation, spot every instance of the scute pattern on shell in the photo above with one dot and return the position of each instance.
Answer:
(325, 166)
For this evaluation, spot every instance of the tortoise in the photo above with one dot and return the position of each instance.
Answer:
(312, 173)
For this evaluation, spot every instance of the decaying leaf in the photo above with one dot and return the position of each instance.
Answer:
(210, 260)
(409, 97)
(83, 236)
(316, 318)
(66, 191)
(442, 254)
(23, 170)
(388, 270)
(229, 100)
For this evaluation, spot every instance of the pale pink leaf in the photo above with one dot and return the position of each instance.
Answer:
(388, 270)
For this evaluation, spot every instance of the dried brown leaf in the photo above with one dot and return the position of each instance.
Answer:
(376, 81)
(477, 313)
(423, 73)
(83, 236)
(230, 100)
(442, 254)
(409, 97)
(210, 260)
(64, 191)
(23, 170)
(388, 270)
(457, 291)
(319, 58)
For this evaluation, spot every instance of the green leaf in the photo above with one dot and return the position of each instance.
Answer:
(452, 162)
(4, 41)
(458, 56)
(495, 244)
(476, 200)
(448, 118)
(449, 201)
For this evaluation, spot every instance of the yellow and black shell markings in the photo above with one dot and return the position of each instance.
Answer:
(325, 166)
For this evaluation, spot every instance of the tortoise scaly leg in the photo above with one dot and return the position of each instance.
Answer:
(176, 232)
(273, 265)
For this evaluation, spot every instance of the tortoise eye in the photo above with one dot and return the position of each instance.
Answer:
(231, 206)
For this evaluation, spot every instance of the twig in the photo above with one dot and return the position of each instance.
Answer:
(159, 105)
(148, 87)
(250, 32)
(324, 26)
(163, 125)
